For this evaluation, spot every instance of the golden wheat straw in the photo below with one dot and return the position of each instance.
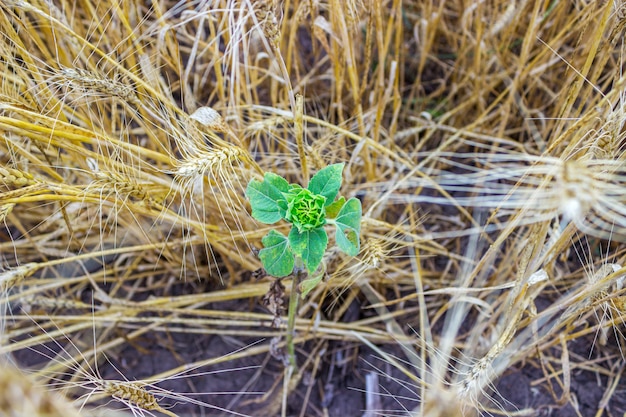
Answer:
(9, 278)
(5, 210)
(374, 252)
(299, 133)
(442, 402)
(598, 280)
(600, 294)
(265, 15)
(94, 83)
(123, 185)
(360, 79)
(29, 302)
(208, 162)
(587, 192)
(265, 125)
(21, 397)
(315, 156)
(475, 381)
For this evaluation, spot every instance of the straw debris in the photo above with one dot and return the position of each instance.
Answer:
(486, 144)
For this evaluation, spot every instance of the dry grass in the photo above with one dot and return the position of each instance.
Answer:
(484, 139)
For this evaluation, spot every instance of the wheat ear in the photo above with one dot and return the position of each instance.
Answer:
(11, 277)
(19, 396)
(91, 82)
(12, 177)
(135, 394)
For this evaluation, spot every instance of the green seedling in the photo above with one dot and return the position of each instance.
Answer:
(309, 210)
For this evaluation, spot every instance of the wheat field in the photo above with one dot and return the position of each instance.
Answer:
(484, 139)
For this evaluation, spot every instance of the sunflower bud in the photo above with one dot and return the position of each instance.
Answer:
(305, 210)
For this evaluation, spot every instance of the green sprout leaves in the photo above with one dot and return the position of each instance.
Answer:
(327, 182)
(308, 210)
(265, 196)
(276, 255)
(348, 223)
(309, 245)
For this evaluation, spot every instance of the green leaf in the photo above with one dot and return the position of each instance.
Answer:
(276, 181)
(333, 209)
(309, 245)
(327, 182)
(348, 224)
(308, 284)
(265, 197)
(276, 256)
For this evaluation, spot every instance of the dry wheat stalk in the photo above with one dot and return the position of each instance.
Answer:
(29, 302)
(587, 192)
(601, 291)
(466, 88)
(125, 186)
(315, 157)
(88, 82)
(5, 210)
(21, 397)
(11, 277)
(480, 375)
(442, 402)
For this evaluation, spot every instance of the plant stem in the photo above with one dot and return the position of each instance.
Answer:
(298, 276)
(291, 322)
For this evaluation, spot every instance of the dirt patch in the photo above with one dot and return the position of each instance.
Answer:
(334, 386)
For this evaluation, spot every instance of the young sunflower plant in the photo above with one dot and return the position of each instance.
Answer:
(309, 210)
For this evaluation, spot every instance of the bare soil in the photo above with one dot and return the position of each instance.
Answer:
(237, 387)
